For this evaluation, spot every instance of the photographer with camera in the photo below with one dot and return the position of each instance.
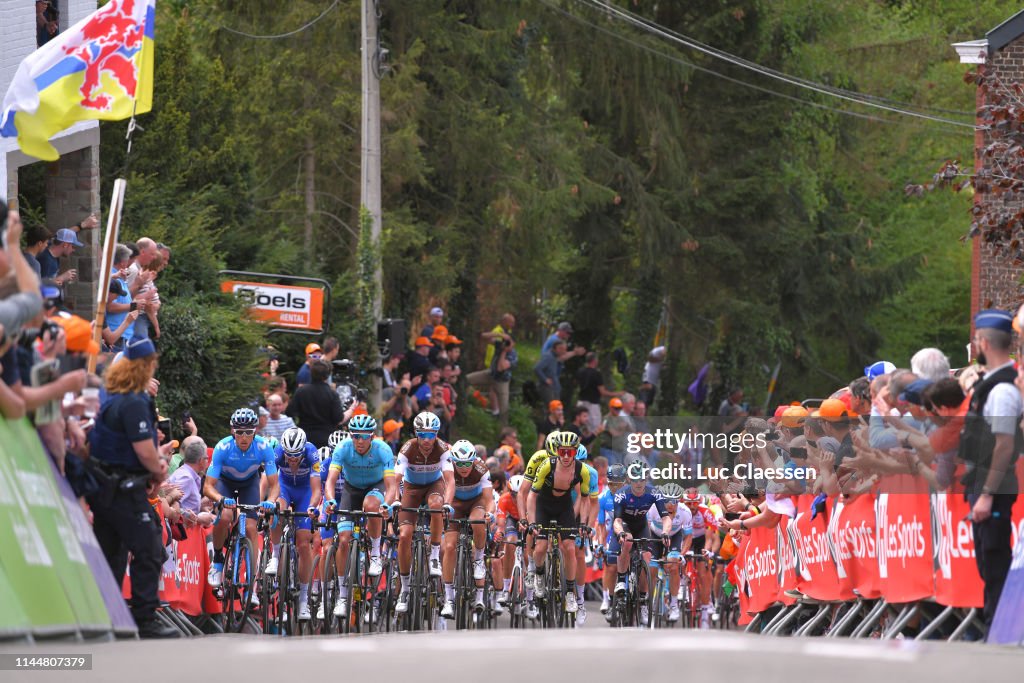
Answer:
(397, 405)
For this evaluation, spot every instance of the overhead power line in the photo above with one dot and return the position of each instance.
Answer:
(769, 71)
(284, 35)
(656, 29)
(678, 60)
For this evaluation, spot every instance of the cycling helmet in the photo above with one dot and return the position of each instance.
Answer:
(581, 452)
(566, 440)
(636, 470)
(515, 482)
(463, 452)
(427, 422)
(617, 474)
(336, 438)
(244, 418)
(671, 491)
(325, 453)
(362, 423)
(551, 443)
(293, 441)
(691, 496)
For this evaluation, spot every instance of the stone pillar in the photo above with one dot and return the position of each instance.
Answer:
(72, 193)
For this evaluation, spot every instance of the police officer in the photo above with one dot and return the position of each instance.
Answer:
(990, 443)
(125, 458)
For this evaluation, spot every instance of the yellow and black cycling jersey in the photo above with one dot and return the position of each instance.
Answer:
(534, 463)
(544, 482)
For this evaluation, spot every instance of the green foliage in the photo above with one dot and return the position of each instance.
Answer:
(210, 366)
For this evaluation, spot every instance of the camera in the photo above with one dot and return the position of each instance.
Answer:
(403, 391)
(345, 370)
(773, 435)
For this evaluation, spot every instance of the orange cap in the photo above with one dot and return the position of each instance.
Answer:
(440, 332)
(615, 402)
(452, 339)
(833, 410)
(793, 417)
(423, 341)
(78, 332)
(313, 348)
(392, 426)
(554, 405)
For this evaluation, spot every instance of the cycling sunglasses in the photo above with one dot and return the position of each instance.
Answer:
(360, 437)
(243, 432)
(564, 452)
(426, 435)
(465, 465)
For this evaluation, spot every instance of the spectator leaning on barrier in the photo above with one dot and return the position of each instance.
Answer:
(189, 476)
(988, 446)
(126, 461)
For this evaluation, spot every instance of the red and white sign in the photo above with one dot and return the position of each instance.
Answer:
(281, 305)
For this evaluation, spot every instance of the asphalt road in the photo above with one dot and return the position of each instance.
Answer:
(595, 652)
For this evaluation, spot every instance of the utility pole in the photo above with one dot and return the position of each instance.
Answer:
(370, 162)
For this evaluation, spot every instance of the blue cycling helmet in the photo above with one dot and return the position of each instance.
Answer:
(244, 418)
(581, 452)
(362, 423)
(426, 422)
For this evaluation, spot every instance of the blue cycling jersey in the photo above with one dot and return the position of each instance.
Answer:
(298, 478)
(363, 471)
(606, 508)
(593, 478)
(632, 509)
(228, 462)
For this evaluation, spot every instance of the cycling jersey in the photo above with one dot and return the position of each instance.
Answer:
(298, 478)
(606, 508)
(535, 462)
(228, 462)
(632, 509)
(507, 507)
(703, 520)
(545, 479)
(363, 471)
(473, 484)
(422, 470)
(681, 521)
(594, 491)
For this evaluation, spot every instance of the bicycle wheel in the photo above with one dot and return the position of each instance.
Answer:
(357, 584)
(228, 589)
(657, 616)
(245, 580)
(329, 594)
(417, 586)
(283, 598)
(516, 598)
(463, 606)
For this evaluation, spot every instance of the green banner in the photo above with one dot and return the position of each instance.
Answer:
(34, 479)
(13, 620)
(27, 563)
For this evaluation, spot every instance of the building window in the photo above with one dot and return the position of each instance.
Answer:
(47, 21)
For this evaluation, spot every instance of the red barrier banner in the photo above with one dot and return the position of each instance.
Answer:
(817, 576)
(786, 544)
(759, 567)
(1017, 512)
(852, 530)
(183, 579)
(903, 513)
(957, 582)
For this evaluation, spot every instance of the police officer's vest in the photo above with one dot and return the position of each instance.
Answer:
(109, 445)
(977, 442)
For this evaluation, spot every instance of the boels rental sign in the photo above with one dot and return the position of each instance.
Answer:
(281, 305)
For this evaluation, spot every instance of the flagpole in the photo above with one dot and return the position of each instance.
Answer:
(106, 262)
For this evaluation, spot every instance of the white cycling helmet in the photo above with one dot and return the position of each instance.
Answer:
(293, 441)
(463, 452)
(427, 422)
(336, 438)
(325, 453)
(515, 482)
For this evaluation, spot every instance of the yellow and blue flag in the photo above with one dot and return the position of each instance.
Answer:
(100, 68)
